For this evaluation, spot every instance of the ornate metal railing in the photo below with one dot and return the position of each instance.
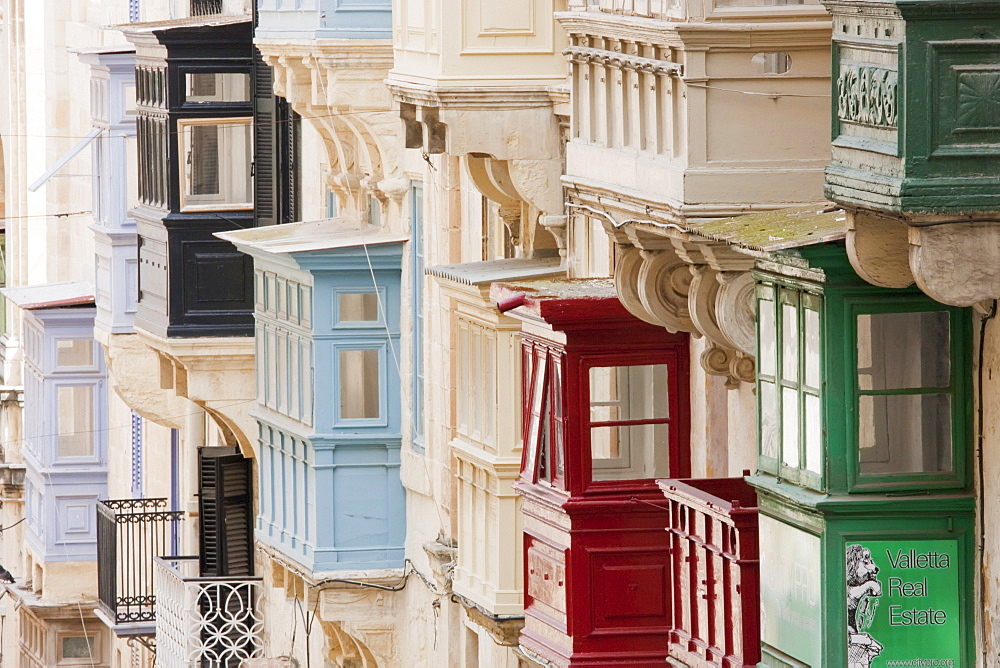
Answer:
(715, 572)
(205, 7)
(130, 533)
(205, 622)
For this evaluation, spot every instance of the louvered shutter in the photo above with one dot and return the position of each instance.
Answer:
(265, 144)
(289, 132)
(226, 513)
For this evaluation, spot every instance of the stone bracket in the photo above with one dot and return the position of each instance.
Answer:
(697, 287)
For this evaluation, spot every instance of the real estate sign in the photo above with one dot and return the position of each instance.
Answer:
(903, 603)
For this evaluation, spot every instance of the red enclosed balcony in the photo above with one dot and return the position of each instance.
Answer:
(605, 401)
(714, 567)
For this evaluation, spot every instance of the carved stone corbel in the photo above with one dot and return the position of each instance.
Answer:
(878, 248)
(957, 263)
(726, 357)
(664, 284)
(627, 283)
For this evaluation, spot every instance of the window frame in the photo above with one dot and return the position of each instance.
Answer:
(802, 300)
(673, 421)
(959, 388)
(382, 420)
(417, 315)
(186, 206)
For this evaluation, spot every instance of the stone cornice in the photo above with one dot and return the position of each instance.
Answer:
(470, 97)
(679, 35)
(337, 53)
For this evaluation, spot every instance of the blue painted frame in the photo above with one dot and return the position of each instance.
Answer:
(330, 492)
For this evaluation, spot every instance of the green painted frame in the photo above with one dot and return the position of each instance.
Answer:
(960, 388)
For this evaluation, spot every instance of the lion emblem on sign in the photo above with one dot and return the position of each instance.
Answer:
(863, 590)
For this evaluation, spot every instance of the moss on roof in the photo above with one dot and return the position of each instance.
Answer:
(779, 229)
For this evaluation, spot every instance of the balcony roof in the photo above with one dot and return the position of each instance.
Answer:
(778, 230)
(51, 295)
(490, 271)
(321, 235)
(208, 21)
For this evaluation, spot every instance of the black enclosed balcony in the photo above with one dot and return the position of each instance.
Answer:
(131, 533)
(195, 134)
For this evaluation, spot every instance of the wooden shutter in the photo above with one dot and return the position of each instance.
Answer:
(264, 143)
(276, 148)
(226, 512)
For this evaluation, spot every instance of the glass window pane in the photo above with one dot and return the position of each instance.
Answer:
(79, 647)
(359, 384)
(814, 434)
(629, 393)
(768, 420)
(76, 420)
(811, 318)
(358, 307)
(789, 342)
(76, 352)
(904, 350)
(905, 433)
(768, 343)
(630, 452)
(215, 164)
(217, 87)
(790, 427)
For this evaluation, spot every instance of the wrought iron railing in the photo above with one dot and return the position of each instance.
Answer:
(205, 622)
(205, 7)
(715, 572)
(130, 533)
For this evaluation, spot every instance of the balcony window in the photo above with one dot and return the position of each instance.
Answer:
(217, 87)
(789, 384)
(905, 383)
(75, 353)
(629, 416)
(76, 421)
(215, 164)
(360, 386)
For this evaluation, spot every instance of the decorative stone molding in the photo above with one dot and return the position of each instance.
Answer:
(624, 61)
(878, 247)
(131, 364)
(955, 262)
(338, 85)
(867, 95)
(217, 374)
(674, 279)
(509, 139)
(360, 622)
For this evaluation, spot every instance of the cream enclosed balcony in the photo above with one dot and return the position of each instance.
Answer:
(487, 438)
(683, 114)
(489, 88)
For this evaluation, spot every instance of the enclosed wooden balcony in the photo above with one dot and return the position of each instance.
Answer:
(714, 568)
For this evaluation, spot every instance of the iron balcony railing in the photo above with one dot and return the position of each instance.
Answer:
(205, 7)
(715, 568)
(130, 534)
(205, 622)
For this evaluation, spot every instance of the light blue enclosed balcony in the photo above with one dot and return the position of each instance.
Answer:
(324, 19)
(327, 313)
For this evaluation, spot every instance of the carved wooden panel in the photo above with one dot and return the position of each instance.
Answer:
(546, 580)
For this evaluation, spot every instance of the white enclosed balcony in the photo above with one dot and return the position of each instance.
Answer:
(204, 621)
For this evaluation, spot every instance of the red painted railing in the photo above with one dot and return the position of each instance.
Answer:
(715, 572)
